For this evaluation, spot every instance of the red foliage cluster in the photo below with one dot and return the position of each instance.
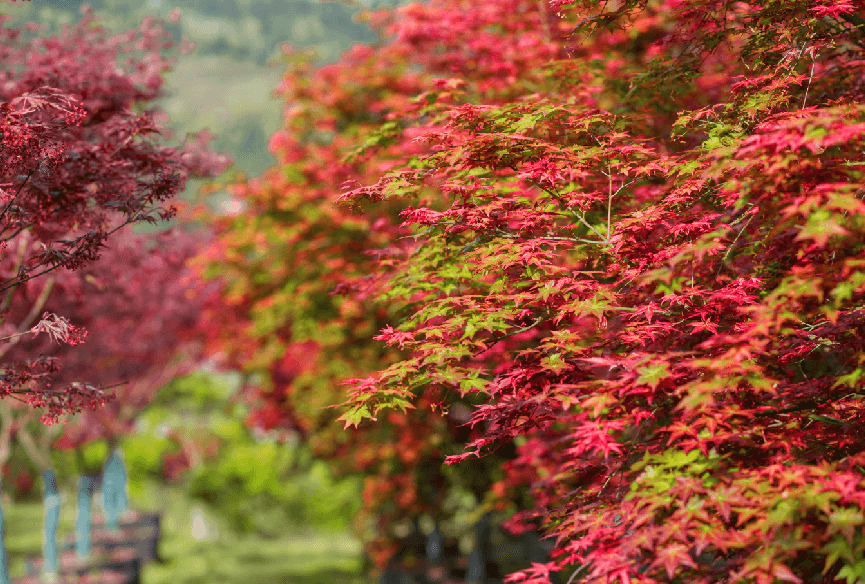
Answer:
(77, 165)
(689, 396)
(628, 235)
(141, 310)
(294, 312)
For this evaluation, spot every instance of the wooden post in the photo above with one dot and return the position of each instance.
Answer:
(114, 500)
(435, 545)
(86, 487)
(477, 568)
(4, 559)
(52, 517)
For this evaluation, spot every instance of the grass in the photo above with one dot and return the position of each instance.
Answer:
(309, 557)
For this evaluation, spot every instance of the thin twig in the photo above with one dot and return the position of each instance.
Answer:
(22, 244)
(24, 327)
(577, 571)
(810, 77)
(12, 199)
(574, 213)
(537, 321)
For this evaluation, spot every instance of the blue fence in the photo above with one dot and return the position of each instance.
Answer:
(115, 503)
(422, 559)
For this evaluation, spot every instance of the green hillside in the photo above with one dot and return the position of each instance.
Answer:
(225, 84)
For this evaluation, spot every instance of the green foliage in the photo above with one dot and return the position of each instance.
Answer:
(143, 454)
(261, 488)
(255, 483)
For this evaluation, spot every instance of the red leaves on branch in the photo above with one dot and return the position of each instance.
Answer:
(622, 252)
(77, 165)
(684, 413)
(59, 329)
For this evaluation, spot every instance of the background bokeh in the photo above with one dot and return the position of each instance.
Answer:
(229, 514)
(225, 84)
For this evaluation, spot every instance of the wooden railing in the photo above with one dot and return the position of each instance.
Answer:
(106, 548)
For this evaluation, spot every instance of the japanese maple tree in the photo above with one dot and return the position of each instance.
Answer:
(630, 239)
(674, 231)
(78, 164)
(140, 308)
(297, 312)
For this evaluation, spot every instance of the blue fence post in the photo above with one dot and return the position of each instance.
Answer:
(86, 486)
(122, 482)
(476, 572)
(435, 544)
(534, 547)
(114, 499)
(4, 559)
(52, 517)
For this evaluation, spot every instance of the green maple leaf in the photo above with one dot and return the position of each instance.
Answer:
(653, 374)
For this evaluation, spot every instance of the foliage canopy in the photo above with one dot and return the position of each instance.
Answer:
(628, 235)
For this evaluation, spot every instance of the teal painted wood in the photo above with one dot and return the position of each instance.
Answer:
(52, 517)
(123, 483)
(435, 544)
(114, 499)
(476, 573)
(4, 558)
(86, 487)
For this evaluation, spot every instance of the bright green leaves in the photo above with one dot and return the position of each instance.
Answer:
(722, 135)
(369, 396)
(847, 521)
(767, 516)
(821, 226)
(554, 363)
(471, 384)
(850, 552)
(653, 373)
(659, 471)
(847, 543)
(384, 135)
(599, 304)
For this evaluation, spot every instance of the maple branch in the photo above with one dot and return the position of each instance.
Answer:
(583, 221)
(609, 203)
(826, 420)
(577, 571)
(24, 327)
(733, 243)
(19, 262)
(809, 404)
(857, 21)
(39, 457)
(12, 199)
(507, 235)
(573, 239)
(6, 433)
(610, 196)
(574, 213)
(12, 282)
(806, 405)
(11, 237)
(631, 446)
(526, 328)
(810, 77)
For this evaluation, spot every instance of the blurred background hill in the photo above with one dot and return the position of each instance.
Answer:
(225, 84)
